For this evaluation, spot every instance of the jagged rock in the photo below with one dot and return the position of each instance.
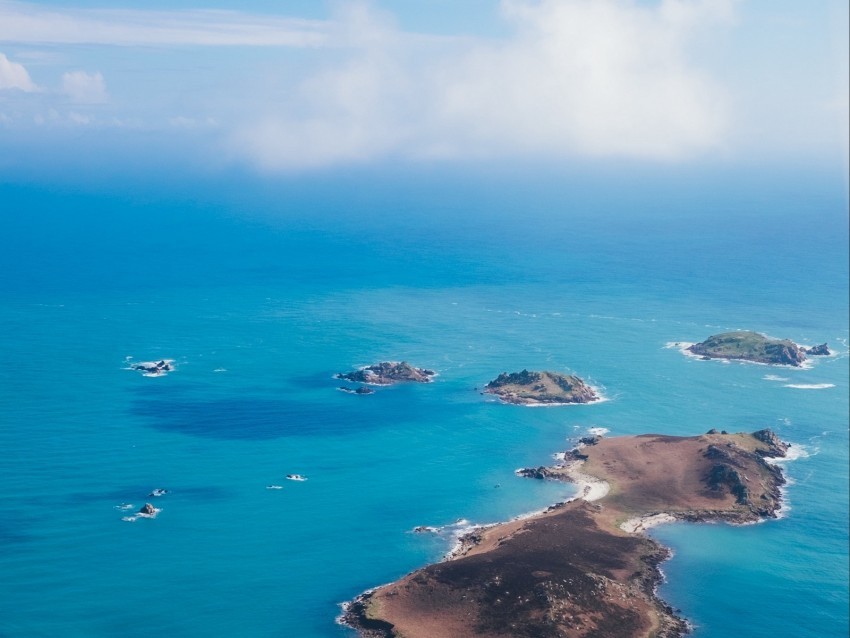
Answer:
(158, 367)
(535, 472)
(776, 447)
(590, 440)
(574, 455)
(819, 351)
(147, 509)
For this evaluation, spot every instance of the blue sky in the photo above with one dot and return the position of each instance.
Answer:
(288, 87)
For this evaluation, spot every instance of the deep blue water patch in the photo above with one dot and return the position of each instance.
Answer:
(261, 417)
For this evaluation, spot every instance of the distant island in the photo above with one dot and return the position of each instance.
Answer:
(755, 347)
(583, 568)
(540, 388)
(388, 373)
(154, 368)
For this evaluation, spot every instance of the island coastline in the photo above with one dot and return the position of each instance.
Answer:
(605, 577)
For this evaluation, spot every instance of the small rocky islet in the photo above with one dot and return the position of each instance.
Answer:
(540, 388)
(154, 368)
(388, 373)
(751, 346)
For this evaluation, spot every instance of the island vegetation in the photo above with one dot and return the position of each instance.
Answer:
(540, 388)
(755, 347)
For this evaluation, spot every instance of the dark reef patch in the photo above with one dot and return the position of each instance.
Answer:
(260, 417)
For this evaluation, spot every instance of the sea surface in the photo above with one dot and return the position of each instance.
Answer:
(260, 294)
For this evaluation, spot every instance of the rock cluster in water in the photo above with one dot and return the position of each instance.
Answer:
(155, 368)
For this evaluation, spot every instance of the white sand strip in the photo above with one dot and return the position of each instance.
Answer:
(643, 523)
(590, 488)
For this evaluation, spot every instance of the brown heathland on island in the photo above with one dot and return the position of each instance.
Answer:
(573, 571)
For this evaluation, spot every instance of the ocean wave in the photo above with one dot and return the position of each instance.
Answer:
(597, 431)
(809, 386)
(774, 377)
(795, 452)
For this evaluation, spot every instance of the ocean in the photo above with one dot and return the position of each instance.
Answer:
(261, 290)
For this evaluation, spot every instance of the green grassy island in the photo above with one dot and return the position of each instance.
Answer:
(540, 388)
(755, 347)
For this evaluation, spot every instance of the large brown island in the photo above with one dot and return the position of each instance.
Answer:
(582, 568)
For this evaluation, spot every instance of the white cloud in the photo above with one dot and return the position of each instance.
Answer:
(14, 76)
(30, 23)
(577, 77)
(84, 88)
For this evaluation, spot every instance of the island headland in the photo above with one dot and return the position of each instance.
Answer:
(540, 388)
(582, 568)
(755, 347)
(388, 373)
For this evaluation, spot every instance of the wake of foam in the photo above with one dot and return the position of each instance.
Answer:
(809, 386)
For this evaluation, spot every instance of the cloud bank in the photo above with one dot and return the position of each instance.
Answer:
(650, 80)
(601, 78)
(14, 76)
(33, 24)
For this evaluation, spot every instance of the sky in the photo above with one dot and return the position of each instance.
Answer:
(287, 88)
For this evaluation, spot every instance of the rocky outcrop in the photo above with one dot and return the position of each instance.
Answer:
(776, 448)
(154, 368)
(819, 351)
(750, 346)
(147, 509)
(363, 389)
(536, 472)
(535, 388)
(388, 373)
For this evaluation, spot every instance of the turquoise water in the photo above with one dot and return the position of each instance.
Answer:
(261, 297)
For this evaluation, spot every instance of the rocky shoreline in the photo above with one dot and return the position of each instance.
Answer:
(578, 568)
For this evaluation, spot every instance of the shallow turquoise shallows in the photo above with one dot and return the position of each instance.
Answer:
(259, 299)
